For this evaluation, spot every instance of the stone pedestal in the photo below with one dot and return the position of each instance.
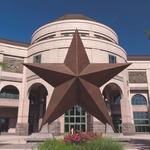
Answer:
(89, 122)
(128, 129)
(98, 127)
(22, 129)
(54, 128)
(44, 129)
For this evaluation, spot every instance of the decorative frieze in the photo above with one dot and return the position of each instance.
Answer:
(12, 65)
(137, 77)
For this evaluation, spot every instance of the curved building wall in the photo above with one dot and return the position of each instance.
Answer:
(52, 41)
(50, 44)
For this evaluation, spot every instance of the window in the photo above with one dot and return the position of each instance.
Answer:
(117, 122)
(37, 59)
(117, 99)
(138, 99)
(67, 34)
(112, 59)
(141, 121)
(4, 123)
(47, 37)
(84, 34)
(9, 92)
(102, 37)
(75, 118)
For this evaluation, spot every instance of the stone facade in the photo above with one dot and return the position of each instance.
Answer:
(128, 129)
(51, 42)
(22, 129)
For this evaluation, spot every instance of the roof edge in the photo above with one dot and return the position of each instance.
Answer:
(73, 16)
(15, 43)
(138, 57)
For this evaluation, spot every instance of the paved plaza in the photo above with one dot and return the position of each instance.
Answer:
(12, 142)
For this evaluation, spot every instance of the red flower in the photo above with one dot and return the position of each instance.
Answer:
(80, 137)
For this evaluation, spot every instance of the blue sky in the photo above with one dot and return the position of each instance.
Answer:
(129, 18)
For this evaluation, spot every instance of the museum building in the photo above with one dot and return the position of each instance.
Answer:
(24, 96)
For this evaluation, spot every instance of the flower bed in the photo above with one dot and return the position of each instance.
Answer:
(81, 141)
(79, 138)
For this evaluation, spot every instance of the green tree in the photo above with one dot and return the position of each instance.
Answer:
(148, 34)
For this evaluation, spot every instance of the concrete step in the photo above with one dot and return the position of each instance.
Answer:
(28, 146)
(39, 137)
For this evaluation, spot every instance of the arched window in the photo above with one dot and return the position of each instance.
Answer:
(138, 99)
(9, 92)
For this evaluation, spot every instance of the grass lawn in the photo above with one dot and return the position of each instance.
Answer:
(96, 144)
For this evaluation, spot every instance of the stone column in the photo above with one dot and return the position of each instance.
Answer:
(126, 108)
(23, 109)
(98, 126)
(89, 122)
(1, 60)
(148, 96)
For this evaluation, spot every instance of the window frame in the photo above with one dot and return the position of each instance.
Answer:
(35, 59)
(112, 59)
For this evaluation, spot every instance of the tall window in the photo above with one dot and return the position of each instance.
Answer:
(117, 122)
(112, 59)
(117, 99)
(4, 124)
(141, 121)
(138, 99)
(37, 59)
(75, 118)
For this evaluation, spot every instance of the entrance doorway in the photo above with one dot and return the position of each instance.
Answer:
(75, 118)
(37, 107)
(112, 95)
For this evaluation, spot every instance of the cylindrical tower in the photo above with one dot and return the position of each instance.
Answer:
(50, 44)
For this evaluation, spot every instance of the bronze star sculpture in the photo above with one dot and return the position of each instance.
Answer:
(76, 82)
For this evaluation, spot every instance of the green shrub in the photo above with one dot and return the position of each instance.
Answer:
(102, 144)
(56, 145)
(97, 144)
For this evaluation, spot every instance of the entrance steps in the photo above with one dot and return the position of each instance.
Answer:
(31, 142)
(39, 137)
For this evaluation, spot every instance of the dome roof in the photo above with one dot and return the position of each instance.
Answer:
(74, 16)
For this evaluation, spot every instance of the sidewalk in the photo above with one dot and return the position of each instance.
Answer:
(139, 142)
(14, 142)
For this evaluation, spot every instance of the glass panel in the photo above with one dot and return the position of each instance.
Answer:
(77, 109)
(9, 95)
(82, 112)
(71, 119)
(66, 128)
(82, 119)
(67, 113)
(71, 126)
(72, 111)
(37, 59)
(83, 127)
(66, 119)
(112, 59)
(77, 127)
(141, 121)
(4, 124)
(78, 119)
(138, 99)
(75, 117)
(117, 99)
